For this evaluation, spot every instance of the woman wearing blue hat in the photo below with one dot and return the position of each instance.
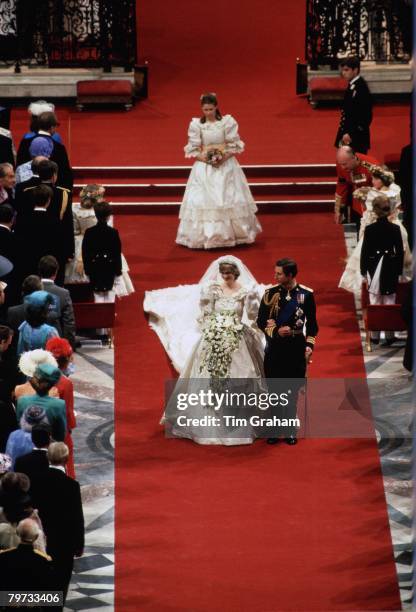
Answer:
(34, 332)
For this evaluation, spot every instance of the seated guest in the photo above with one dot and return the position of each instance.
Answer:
(58, 499)
(35, 464)
(40, 148)
(37, 232)
(382, 258)
(7, 183)
(47, 123)
(24, 567)
(8, 249)
(53, 409)
(28, 364)
(34, 332)
(48, 271)
(62, 351)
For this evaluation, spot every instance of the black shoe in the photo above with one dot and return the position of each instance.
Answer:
(272, 440)
(389, 341)
(292, 440)
(375, 341)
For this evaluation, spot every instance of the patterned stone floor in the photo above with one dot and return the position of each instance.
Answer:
(92, 586)
(391, 389)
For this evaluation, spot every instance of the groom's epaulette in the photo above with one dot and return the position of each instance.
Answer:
(307, 288)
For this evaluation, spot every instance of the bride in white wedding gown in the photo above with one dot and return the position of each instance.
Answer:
(218, 209)
(181, 316)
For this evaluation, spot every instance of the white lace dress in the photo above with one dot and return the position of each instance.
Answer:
(351, 278)
(218, 209)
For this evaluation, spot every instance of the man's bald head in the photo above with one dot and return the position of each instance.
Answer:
(346, 158)
(28, 531)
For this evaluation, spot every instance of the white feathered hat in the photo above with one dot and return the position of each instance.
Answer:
(41, 106)
(30, 360)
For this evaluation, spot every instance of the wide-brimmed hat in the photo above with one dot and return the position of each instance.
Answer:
(6, 266)
(31, 360)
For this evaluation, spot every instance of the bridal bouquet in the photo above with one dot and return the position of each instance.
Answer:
(214, 156)
(221, 335)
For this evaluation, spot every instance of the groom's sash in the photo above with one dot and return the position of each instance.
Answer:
(287, 312)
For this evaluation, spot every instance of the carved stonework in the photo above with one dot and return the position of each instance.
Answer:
(375, 30)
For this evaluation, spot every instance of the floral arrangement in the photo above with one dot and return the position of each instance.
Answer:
(214, 156)
(221, 334)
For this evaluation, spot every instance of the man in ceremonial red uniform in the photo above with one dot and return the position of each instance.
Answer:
(353, 172)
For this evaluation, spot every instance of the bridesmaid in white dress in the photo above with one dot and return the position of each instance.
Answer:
(218, 209)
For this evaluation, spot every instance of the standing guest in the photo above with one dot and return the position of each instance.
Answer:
(285, 310)
(353, 172)
(16, 314)
(83, 217)
(38, 233)
(62, 352)
(48, 271)
(9, 250)
(35, 109)
(7, 183)
(6, 146)
(101, 254)
(8, 379)
(28, 364)
(34, 332)
(35, 464)
(24, 567)
(58, 499)
(53, 409)
(40, 147)
(381, 261)
(23, 192)
(47, 123)
(357, 108)
(218, 209)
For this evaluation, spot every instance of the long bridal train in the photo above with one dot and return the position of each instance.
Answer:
(179, 316)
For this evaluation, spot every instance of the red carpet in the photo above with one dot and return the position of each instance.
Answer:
(245, 528)
(245, 53)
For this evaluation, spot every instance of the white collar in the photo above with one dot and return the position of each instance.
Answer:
(58, 467)
(44, 133)
(39, 208)
(45, 450)
(6, 226)
(355, 79)
(46, 280)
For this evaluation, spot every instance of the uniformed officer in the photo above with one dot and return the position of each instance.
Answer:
(24, 568)
(286, 310)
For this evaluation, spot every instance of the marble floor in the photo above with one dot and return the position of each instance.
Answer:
(92, 586)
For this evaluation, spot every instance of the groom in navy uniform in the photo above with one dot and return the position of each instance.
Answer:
(285, 311)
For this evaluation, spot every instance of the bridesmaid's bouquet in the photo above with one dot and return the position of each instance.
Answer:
(214, 156)
(221, 336)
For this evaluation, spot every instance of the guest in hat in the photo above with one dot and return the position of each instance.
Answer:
(40, 148)
(63, 353)
(45, 377)
(28, 364)
(34, 332)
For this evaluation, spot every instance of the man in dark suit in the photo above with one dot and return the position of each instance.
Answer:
(35, 464)
(38, 233)
(48, 270)
(22, 200)
(101, 251)
(58, 500)
(6, 147)
(357, 109)
(25, 568)
(47, 123)
(7, 183)
(9, 249)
